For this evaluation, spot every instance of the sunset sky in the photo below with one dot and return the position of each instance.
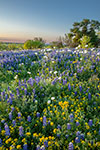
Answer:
(25, 19)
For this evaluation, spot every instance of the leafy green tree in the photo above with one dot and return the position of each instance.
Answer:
(84, 28)
(28, 44)
(36, 43)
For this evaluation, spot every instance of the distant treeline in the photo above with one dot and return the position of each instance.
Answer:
(84, 34)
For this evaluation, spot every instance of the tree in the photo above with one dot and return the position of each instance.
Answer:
(36, 43)
(84, 28)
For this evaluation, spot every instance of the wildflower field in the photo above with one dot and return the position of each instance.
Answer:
(50, 99)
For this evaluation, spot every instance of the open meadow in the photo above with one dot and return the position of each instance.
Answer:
(50, 99)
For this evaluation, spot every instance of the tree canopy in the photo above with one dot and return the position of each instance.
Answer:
(86, 27)
(36, 43)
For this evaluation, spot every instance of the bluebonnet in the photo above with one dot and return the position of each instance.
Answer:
(34, 91)
(14, 123)
(90, 122)
(12, 109)
(38, 147)
(25, 91)
(77, 140)
(0, 142)
(37, 79)
(42, 148)
(77, 123)
(69, 87)
(46, 143)
(49, 122)
(19, 114)
(66, 136)
(99, 131)
(21, 131)
(71, 117)
(7, 131)
(31, 81)
(25, 147)
(58, 135)
(82, 136)
(80, 87)
(78, 133)
(68, 126)
(38, 114)
(70, 146)
(64, 82)
(9, 100)
(8, 88)
(89, 96)
(29, 118)
(10, 115)
(44, 121)
(59, 127)
(17, 90)
(2, 121)
(75, 93)
(6, 96)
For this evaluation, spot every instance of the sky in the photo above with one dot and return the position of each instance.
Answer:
(21, 20)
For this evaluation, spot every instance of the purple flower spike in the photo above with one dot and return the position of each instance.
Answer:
(46, 143)
(59, 127)
(29, 118)
(70, 146)
(14, 123)
(90, 122)
(38, 147)
(10, 115)
(7, 131)
(21, 131)
(44, 121)
(77, 123)
(89, 96)
(42, 148)
(25, 91)
(68, 126)
(0, 142)
(25, 147)
(69, 87)
(77, 140)
(38, 114)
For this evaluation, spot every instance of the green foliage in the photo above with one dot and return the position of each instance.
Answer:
(36, 43)
(3, 46)
(84, 28)
(86, 42)
(12, 46)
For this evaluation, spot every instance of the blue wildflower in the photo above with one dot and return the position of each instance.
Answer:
(25, 147)
(7, 131)
(44, 121)
(68, 126)
(29, 118)
(21, 131)
(70, 146)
